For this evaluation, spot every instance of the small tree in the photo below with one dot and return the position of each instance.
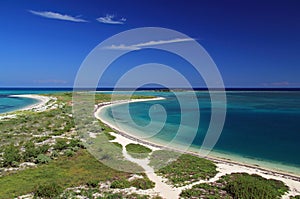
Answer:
(11, 155)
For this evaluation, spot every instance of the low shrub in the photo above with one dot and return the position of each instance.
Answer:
(246, 186)
(60, 145)
(142, 183)
(138, 151)
(48, 190)
(92, 183)
(11, 155)
(120, 184)
(43, 159)
(187, 169)
(69, 153)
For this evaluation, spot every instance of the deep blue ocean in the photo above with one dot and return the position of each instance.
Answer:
(261, 126)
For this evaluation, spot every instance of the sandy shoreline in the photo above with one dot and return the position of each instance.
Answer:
(225, 166)
(39, 106)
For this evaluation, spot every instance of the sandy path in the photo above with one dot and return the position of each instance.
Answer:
(161, 188)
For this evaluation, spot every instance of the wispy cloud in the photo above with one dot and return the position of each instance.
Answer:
(110, 19)
(55, 15)
(149, 43)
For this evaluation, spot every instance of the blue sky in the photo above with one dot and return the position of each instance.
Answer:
(253, 43)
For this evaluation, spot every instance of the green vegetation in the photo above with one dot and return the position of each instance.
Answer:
(139, 183)
(117, 144)
(49, 190)
(49, 139)
(110, 154)
(205, 191)
(11, 155)
(104, 195)
(43, 159)
(61, 144)
(242, 185)
(144, 183)
(238, 185)
(138, 151)
(162, 158)
(64, 172)
(179, 174)
(32, 152)
(295, 197)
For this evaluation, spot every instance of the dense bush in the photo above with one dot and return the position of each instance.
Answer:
(204, 190)
(43, 149)
(243, 185)
(120, 184)
(295, 197)
(141, 183)
(73, 146)
(43, 159)
(238, 186)
(61, 144)
(92, 183)
(138, 151)
(76, 143)
(69, 153)
(48, 190)
(32, 152)
(11, 155)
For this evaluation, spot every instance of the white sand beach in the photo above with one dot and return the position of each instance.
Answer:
(224, 166)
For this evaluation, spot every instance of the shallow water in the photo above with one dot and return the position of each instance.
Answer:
(260, 127)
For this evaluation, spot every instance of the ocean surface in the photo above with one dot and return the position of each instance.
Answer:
(261, 127)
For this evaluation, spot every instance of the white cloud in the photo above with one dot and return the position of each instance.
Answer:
(149, 43)
(109, 19)
(123, 47)
(55, 15)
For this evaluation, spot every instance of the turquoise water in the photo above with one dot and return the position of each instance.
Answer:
(259, 127)
(9, 103)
